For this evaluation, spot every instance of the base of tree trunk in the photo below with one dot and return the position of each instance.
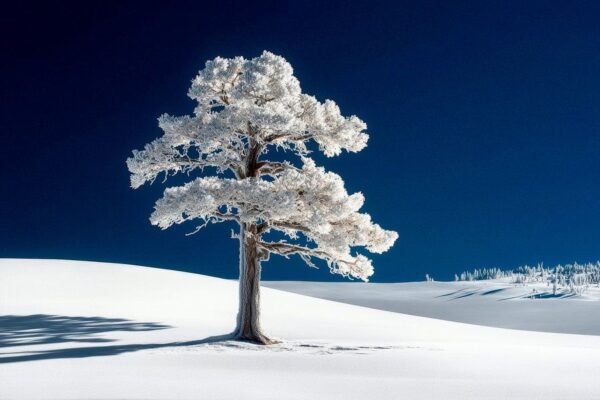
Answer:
(255, 338)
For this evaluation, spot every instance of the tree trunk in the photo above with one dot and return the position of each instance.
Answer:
(248, 319)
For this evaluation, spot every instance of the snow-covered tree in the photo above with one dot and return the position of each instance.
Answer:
(246, 109)
(574, 278)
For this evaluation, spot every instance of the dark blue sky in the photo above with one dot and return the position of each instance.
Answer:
(484, 120)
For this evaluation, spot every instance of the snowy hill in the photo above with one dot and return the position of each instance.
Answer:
(75, 330)
(498, 303)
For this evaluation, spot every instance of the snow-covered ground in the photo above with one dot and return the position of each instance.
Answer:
(80, 330)
(496, 303)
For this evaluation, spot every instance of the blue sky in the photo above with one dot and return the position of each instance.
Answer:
(484, 123)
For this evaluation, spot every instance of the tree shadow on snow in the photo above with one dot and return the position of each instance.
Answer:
(55, 329)
(26, 330)
(493, 291)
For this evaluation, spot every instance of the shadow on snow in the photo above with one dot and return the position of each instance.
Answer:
(462, 293)
(55, 329)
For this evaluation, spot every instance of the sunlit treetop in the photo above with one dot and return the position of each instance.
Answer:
(246, 109)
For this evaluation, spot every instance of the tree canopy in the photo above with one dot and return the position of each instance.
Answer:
(246, 109)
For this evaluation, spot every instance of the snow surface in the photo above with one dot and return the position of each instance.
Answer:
(496, 303)
(82, 330)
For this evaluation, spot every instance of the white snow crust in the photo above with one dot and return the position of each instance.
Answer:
(85, 330)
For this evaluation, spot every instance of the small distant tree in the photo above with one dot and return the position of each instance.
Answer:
(246, 109)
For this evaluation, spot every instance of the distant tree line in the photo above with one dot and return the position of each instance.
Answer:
(575, 278)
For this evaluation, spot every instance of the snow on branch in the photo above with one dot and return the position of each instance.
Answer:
(346, 265)
(233, 96)
(307, 201)
(246, 108)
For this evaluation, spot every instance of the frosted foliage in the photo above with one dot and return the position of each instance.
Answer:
(247, 108)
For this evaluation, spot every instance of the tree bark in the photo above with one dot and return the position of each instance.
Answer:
(248, 318)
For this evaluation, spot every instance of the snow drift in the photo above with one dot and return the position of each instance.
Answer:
(93, 330)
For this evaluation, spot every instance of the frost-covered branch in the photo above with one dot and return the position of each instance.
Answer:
(282, 225)
(307, 201)
(272, 168)
(358, 266)
(245, 109)
(163, 157)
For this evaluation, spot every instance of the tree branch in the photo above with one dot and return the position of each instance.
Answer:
(289, 136)
(196, 163)
(262, 228)
(214, 218)
(227, 216)
(273, 168)
(286, 249)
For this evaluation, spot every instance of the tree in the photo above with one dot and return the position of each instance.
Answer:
(246, 109)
